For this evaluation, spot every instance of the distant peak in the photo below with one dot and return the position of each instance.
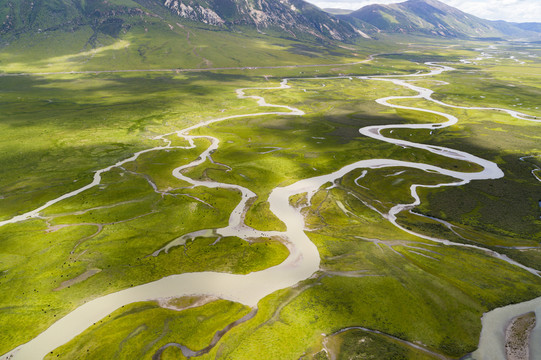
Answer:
(430, 2)
(432, 18)
(434, 3)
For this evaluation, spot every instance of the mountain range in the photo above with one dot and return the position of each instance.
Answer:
(284, 17)
(292, 17)
(434, 18)
(60, 35)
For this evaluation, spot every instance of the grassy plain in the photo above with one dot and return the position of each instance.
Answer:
(58, 131)
(61, 128)
(140, 329)
(361, 344)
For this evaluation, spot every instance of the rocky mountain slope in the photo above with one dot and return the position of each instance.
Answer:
(295, 17)
(288, 15)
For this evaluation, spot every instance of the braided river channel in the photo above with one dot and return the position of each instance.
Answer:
(304, 259)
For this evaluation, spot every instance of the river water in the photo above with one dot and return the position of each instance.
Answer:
(492, 340)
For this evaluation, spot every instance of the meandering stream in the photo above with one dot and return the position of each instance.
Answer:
(303, 260)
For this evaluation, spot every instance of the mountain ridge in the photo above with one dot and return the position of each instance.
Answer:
(294, 17)
(290, 18)
(432, 18)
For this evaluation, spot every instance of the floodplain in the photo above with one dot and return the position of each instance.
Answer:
(383, 287)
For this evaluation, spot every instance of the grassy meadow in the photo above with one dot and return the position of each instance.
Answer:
(58, 129)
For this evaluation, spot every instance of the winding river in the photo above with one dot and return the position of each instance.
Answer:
(303, 260)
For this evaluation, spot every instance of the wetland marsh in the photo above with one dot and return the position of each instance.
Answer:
(346, 224)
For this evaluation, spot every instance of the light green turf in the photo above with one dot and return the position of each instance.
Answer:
(138, 330)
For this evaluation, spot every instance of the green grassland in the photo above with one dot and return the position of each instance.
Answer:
(76, 124)
(359, 344)
(59, 129)
(415, 290)
(132, 326)
(504, 140)
(266, 151)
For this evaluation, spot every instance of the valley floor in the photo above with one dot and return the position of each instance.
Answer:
(379, 208)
